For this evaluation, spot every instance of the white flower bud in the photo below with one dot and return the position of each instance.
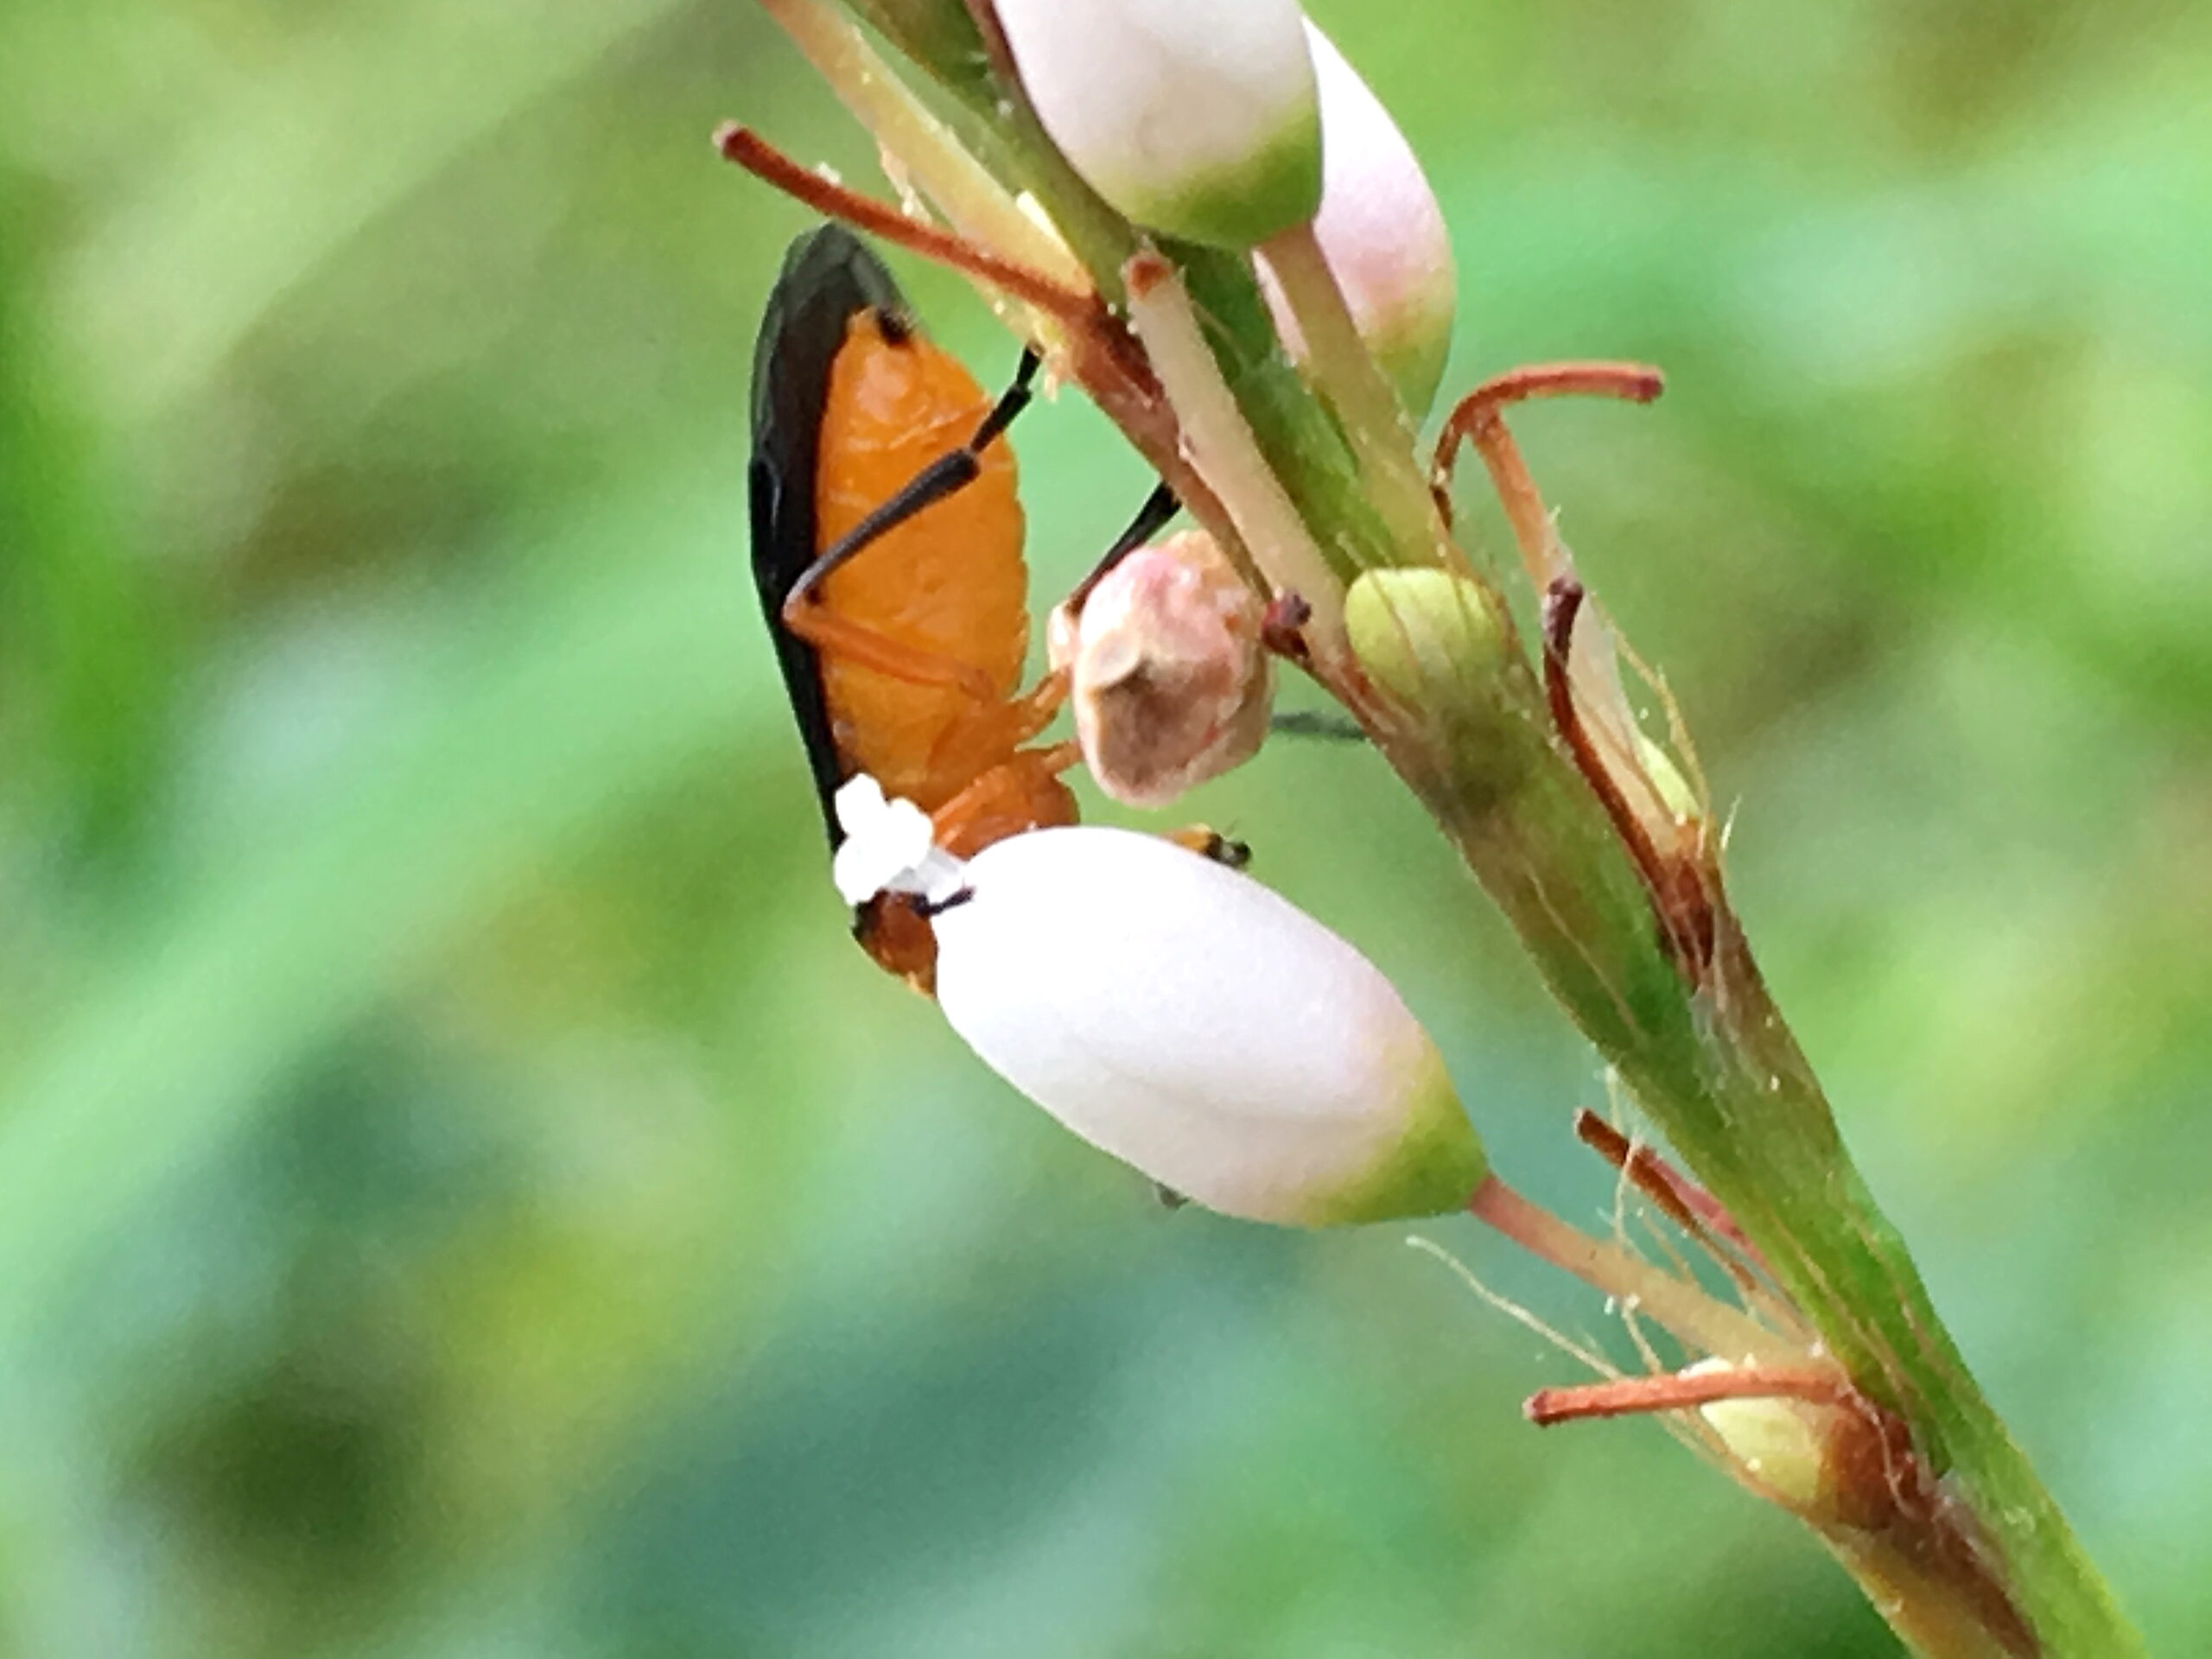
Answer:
(1197, 118)
(1168, 676)
(1190, 1023)
(1382, 233)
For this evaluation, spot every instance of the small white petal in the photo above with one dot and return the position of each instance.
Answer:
(1190, 1023)
(887, 847)
(860, 803)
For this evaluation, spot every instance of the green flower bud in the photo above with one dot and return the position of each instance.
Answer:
(1425, 636)
(1437, 645)
(1781, 1443)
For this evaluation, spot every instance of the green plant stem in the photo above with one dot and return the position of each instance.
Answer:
(1717, 1069)
(1303, 440)
(1721, 1076)
(1222, 445)
(1851, 1272)
(961, 187)
(1351, 381)
(1928, 1614)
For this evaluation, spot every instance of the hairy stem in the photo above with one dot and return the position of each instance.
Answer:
(1222, 445)
(1373, 421)
(961, 187)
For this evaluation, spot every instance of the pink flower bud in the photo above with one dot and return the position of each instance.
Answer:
(1382, 233)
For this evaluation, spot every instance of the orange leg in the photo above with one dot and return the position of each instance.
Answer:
(1025, 793)
(1476, 420)
(1211, 843)
(989, 736)
(1020, 794)
(1033, 711)
(827, 632)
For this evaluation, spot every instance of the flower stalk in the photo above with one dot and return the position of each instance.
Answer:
(1382, 233)
(1220, 443)
(1360, 395)
(1604, 861)
(947, 176)
(1686, 1312)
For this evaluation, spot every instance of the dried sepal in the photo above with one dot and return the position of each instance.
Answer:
(1168, 676)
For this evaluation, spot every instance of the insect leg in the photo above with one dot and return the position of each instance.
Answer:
(1158, 507)
(1209, 842)
(852, 642)
(1022, 793)
(1317, 723)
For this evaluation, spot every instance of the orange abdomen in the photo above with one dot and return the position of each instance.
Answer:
(950, 582)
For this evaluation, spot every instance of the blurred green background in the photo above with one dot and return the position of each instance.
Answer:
(460, 1192)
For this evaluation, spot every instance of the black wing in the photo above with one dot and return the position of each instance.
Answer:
(827, 277)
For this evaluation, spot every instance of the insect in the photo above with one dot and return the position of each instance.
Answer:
(888, 550)
(905, 664)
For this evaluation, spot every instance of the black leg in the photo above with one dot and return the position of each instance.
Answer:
(1011, 402)
(948, 474)
(1158, 507)
(1317, 723)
